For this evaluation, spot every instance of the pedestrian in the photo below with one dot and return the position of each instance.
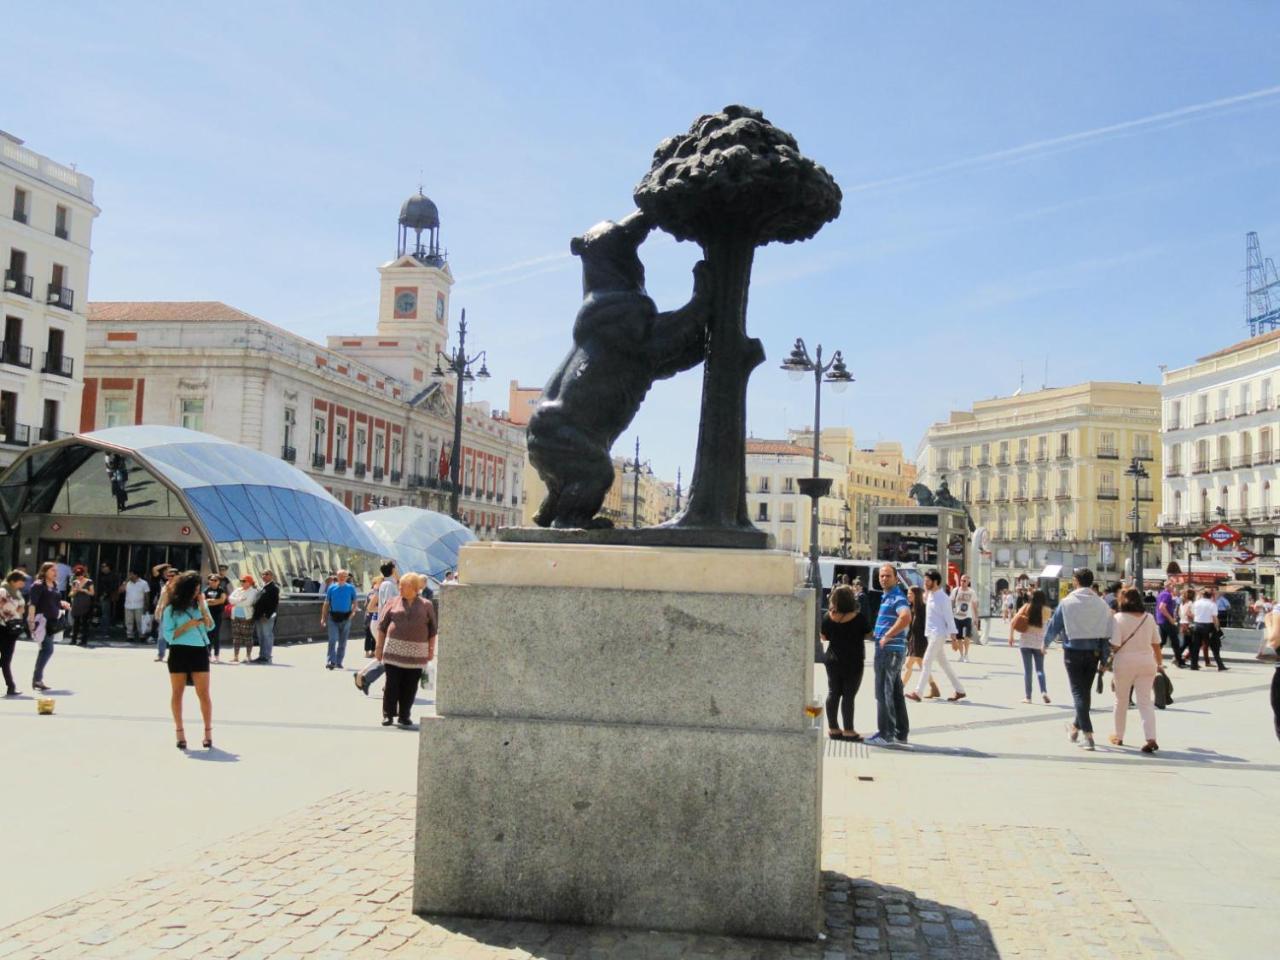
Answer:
(964, 606)
(389, 588)
(215, 598)
(844, 631)
(1006, 604)
(80, 594)
(1135, 661)
(1187, 625)
(1085, 624)
(917, 643)
(893, 620)
(45, 608)
(12, 610)
(406, 643)
(136, 591)
(1167, 621)
(64, 574)
(166, 575)
(264, 616)
(940, 630)
(108, 588)
(185, 628)
(1205, 628)
(242, 599)
(371, 616)
(338, 606)
(1029, 623)
(1271, 636)
(1111, 596)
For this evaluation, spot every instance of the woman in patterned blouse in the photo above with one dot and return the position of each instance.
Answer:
(406, 643)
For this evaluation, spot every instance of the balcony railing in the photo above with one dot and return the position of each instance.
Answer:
(1172, 424)
(1146, 496)
(415, 480)
(984, 462)
(1200, 466)
(1259, 513)
(57, 364)
(62, 297)
(15, 354)
(62, 233)
(1104, 533)
(466, 489)
(15, 435)
(360, 470)
(378, 473)
(339, 465)
(1108, 493)
(1263, 457)
(1062, 494)
(1108, 453)
(1264, 404)
(1242, 460)
(1220, 414)
(395, 476)
(1222, 463)
(1002, 460)
(983, 498)
(49, 434)
(1022, 457)
(18, 283)
(1143, 455)
(1020, 496)
(317, 461)
(1064, 454)
(1173, 470)
(1242, 410)
(1040, 495)
(288, 454)
(1200, 419)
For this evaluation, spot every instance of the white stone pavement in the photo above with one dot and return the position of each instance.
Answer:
(97, 793)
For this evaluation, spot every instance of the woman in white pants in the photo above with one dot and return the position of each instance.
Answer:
(1135, 661)
(940, 629)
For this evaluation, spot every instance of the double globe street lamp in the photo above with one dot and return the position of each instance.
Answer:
(815, 488)
(459, 364)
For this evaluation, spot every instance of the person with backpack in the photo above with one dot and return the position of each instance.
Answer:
(1135, 661)
(1029, 623)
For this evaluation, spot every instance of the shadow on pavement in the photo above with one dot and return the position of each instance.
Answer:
(213, 755)
(861, 918)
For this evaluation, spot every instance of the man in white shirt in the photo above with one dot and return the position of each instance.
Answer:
(964, 605)
(135, 605)
(1204, 616)
(939, 627)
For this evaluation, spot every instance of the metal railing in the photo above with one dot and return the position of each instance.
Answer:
(1200, 466)
(1143, 455)
(318, 461)
(339, 465)
(1222, 463)
(1173, 470)
(15, 354)
(1242, 460)
(378, 473)
(395, 476)
(1064, 454)
(62, 297)
(1108, 453)
(1242, 409)
(1108, 493)
(984, 461)
(1002, 460)
(19, 283)
(1263, 457)
(57, 364)
(359, 470)
(288, 454)
(1220, 414)
(16, 434)
(1200, 419)
(49, 434)
(1062, 494)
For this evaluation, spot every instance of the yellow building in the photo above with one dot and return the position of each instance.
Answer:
(1045, 471)
(877, 476)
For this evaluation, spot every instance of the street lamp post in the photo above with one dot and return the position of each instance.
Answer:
(459, 364)
(1139, 473)
(635, 490)
(835, 373)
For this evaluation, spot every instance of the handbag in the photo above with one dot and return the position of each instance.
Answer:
(1020, 622)
(1162, 689)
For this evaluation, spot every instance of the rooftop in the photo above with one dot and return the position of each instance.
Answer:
(781, 448)
(168, 311)
(15, 155)
(1242, 345)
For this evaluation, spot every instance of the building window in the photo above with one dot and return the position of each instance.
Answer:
(115, 412)
(1064, 446)
(191, 416)
(290, 425)
(340, 435)
(763, 515)
(62, 222)
(763, 485)
(21, 204)
(379, 450)
(318, 429)
(1175, 415)
(417, 461)
(362, 444)
(788, 485)
(395, 453)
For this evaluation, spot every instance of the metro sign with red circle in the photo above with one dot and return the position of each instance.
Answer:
(1221, 536)
(1245, 555)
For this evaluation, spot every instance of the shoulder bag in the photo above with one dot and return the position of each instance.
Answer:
(1020, 621)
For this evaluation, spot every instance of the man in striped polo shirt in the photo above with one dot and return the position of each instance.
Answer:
(892, 625)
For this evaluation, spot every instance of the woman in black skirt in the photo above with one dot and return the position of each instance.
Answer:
(844, 632)
(185, 625)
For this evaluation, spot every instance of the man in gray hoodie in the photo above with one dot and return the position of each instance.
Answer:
(1086, 625)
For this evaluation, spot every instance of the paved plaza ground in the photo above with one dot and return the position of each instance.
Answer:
(993, 837)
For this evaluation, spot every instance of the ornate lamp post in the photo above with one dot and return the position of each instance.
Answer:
(459, 364)
(635, 490)
(815, 488)
(1139, 473)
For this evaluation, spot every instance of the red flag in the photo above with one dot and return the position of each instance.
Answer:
(444, 462)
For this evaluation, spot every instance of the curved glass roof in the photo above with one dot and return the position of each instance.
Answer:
(235, 493)
(419, 540)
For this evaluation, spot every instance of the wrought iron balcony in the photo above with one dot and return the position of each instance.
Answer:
(62, 233)
(1064, 454)
(1200, 466)
(360, 470)
(339, 465)
(15, 354)
(1263, 457)
(415, 481)
(1173, 470)
(1242, 410)
(1222, 463)
(1042, 456)
(15, 435)
(1146, 496)
(1108, 453)
(49, 434)
(1108, 493)
(1221, 413)
(1143, 455)
(1264, 404)
(1040, 495)
(1002, 460)
(984, 462)
(378, 473)
(317, 461)
(395, 476)
(19, 283)
(1200, 419)
(1242, 460)
(288, 454)
(62, 297)
(1022, 457)
(1062, 494)
(57, 364)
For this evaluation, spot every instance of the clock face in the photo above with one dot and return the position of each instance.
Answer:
(439, 308)
(406, 303)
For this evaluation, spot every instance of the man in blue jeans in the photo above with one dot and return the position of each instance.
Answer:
(1086, 624)
(892, 625)
(339, 604)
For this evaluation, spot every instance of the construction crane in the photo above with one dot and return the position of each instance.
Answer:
(1261, 306)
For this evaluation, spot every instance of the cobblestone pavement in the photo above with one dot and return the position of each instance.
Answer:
(334, 881)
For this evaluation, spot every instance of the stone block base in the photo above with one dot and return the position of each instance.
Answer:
(658, 827)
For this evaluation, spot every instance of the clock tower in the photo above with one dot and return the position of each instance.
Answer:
(415, 285)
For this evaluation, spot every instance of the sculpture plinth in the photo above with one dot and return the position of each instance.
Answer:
(629, 748)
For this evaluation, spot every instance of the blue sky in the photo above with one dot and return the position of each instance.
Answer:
(1022, 182)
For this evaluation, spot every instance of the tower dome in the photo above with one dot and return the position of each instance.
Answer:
(420, 215)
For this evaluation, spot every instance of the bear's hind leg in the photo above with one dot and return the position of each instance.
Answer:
(582, 496)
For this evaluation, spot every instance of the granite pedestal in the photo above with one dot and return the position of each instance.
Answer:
(621, 741)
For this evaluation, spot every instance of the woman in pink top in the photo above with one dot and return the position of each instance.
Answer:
(406, 643)
(1135, 660)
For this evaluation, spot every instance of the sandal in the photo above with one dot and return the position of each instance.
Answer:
(1150, 747)
(208, 738)
(1115, 741)
(853, 736)
(182, 738)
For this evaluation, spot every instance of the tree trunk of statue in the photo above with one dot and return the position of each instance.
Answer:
(718, 491)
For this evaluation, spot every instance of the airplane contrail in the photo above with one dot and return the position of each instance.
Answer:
(1037, 147)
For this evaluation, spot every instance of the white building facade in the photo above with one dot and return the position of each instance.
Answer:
(774, 501)
(46, 222)
(363, 416)
(1221, 444)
